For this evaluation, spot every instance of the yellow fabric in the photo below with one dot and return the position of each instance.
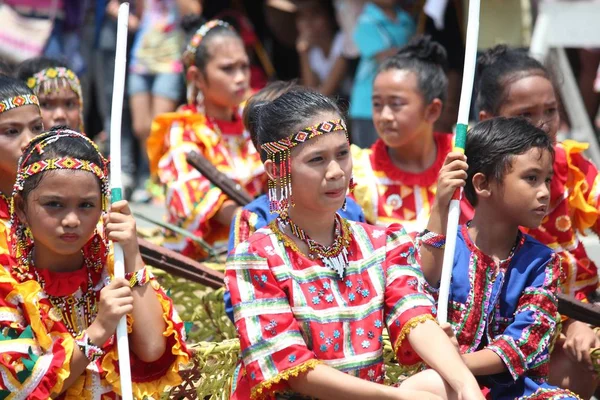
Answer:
(365, 185)
(172, 378)
(27, 295)
(161, 126)
(585, 214)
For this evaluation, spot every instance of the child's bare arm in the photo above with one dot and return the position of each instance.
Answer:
(484, 362)
(452, 176)
(325, 382)
(147, 340)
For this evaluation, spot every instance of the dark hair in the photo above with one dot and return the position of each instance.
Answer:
(66, 146)
(290, 113)
(269, 93)
(203, 55)
(492, 144)
(497, 68)
(12, 87)
(427, 59)
(324, 7)
(5, 67)
(30, 67)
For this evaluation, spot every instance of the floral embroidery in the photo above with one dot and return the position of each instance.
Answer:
(360, 331)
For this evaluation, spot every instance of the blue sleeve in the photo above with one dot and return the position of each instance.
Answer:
(228, 305)
(353, 211)
(369, 39)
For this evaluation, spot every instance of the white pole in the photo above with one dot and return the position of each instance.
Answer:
(461, 137)
(116, 186)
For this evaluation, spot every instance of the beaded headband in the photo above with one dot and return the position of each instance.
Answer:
(279, 153)
(51, 79)
(97, 247)
(189, 54)
(18, 101)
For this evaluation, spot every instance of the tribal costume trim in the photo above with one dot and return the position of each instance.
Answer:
(280, 187)
(96, 249)
(49, 80)
(18, 101)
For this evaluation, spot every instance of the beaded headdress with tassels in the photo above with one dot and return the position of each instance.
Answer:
(96, 249)
(280, 185)
(50, 80)
(189, 55)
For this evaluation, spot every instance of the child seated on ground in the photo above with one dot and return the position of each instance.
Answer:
(502, 305)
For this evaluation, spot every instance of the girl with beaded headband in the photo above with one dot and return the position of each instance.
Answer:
(59, 283)
(20, 121)
(58, 89)
(218, 67)
(311, 291)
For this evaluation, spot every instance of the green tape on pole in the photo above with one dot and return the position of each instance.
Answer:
(116, 194)
(460, 140)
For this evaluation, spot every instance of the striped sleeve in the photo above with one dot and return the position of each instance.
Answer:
(525, 344)
(272, 346)
(406, 302)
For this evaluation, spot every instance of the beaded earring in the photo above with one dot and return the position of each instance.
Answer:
(279, 152)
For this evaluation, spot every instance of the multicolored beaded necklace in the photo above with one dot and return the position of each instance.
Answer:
(335, 256)
(77, 313)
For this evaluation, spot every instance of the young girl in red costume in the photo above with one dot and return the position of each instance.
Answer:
(511, 84)
(60, 302)
(20, 121)
(312, 292)
(217, 70)
(396, 177)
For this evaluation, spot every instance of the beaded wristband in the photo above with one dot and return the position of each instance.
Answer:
(89, 349)
(432, 239)
(138, 278)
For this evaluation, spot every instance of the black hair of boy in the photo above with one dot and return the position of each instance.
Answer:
(492, 145)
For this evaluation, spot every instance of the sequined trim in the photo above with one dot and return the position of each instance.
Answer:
(409, 326)
(260, 391)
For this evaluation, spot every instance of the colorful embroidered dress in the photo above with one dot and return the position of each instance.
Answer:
(192, 201)
(4, 224)
(389, 195)
(574, 208)
(37, 347)
(292, 312)
(511, 309)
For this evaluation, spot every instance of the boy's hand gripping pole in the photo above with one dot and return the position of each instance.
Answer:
(116, 186)
(459, 145)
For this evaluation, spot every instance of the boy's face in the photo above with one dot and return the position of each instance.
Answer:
(524, 195)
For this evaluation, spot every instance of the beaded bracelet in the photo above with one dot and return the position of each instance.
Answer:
(432, 239)
(89, 349)
(138, 278)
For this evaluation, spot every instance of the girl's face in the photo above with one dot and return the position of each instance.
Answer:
(321, 170)
(531, 97)
(17, 127)
(62, 221)
(400, 114)
(61, 107)
(226, 80)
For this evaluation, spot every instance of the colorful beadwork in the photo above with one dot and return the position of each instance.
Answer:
(77, 313)
(138, 278)
(432, 239)
(189, 54)
(335, 256)
(280, 186)
(89, 349)
(96, 249)
(18, 101)
(50, 80)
